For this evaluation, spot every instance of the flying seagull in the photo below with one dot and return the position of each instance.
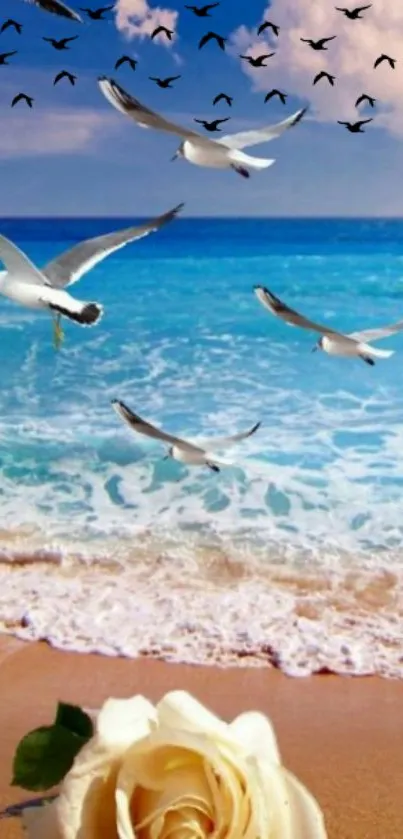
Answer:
(228, 99)
(355, 127)
(164, 83)
(5, 55)
(62, 44)
(383, 57)
(202, 11)
(275, 92)
(97, 14)
(212, 36)
(56, 7)
(45, 288)
(318, 45)
(354, 14)
(267, 24)
(194, 454)
(125, 59)
(324, 75)
(258, 61)
(224, 153)
(64, 74)
(162, 30)
(11, 23)
(354, 345)
(365, 98)
(22, 97)
(211, 126)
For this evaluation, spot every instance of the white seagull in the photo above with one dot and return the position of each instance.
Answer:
(56, 7)
(194, 454)
(224, 153)
(44, 288)
(353, 345)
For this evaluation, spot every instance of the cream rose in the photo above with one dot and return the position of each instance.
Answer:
(176, 771)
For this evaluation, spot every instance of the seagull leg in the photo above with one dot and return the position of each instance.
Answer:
(58, 334)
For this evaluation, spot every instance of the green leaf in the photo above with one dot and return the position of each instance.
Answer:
(44, 756)
(74, 719)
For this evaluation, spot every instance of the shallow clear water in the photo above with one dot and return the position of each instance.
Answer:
(317, 491)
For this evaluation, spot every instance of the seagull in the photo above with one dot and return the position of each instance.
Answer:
(228, 99)
(353, 345)
(45, 288)
(355, 127)
(56, 7)
(97, 14)
(318, 45)
(164, 83)
(383, 57)
(125, 59)
(354, 14)
(275, 92)
(212, 36)
(194, 454)
(64, 74)
(267, 24)
(258, 61)
(162, 30)
(324, 75)
(211, 126)
(202, 11)
(224, 153)
(5, 55)
(365, 98)
(62, 44)
(22, 97)
(11, 23)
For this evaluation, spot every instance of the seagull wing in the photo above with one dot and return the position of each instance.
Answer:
(71, 265)
(363, 8)
(376, 334)
(56, 7)
(145, 117)
(260, 135)
(290, 316)
(143, 427)
(18, 265)
(226, 442)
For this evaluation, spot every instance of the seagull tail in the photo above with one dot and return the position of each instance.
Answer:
(369, 350)
(253, 162)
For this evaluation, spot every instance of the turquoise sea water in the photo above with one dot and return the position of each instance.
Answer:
(317, 491)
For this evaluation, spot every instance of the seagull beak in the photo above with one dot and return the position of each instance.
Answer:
(314, 349)
(175, 157)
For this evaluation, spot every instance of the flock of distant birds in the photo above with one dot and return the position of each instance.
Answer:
(46, 288)
(59, 8)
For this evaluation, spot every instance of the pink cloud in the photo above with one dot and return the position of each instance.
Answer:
(136, 19)
(48, 132)
(350, 58)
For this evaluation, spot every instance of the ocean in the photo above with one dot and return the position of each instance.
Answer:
(291, 556)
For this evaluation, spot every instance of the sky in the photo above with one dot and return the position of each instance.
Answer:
(73, 154)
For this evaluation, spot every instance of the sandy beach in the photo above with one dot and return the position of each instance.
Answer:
(342, 736)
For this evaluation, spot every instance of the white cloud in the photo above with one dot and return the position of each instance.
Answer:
(350, 57)
(41, 132)
(136, 19)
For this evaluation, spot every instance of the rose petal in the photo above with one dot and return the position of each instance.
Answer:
(181, 711)
(121, 722)
(307, 817)
(255, 733)
(41, 822)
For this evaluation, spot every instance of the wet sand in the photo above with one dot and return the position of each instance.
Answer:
(342, 736)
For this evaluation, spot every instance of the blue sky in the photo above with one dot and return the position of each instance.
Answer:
(75, 155)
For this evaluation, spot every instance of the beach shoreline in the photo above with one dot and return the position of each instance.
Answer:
(340, 735)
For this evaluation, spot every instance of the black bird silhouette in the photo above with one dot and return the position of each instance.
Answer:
(126, 59)
(64, 74)
(22, 97)
(62, 44)
(97, 14)
(258, 61)
(275, 92)
(5, 55)
(355, 127)
(383, 57)
(202, 11)
(210, 37)
(9, 23)
(365, 98)
(267, 24)
(318, 45)
(211, 126)
(162, 29)
(353, 14)
(164, 82)
(228, 99)
(324, 75)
